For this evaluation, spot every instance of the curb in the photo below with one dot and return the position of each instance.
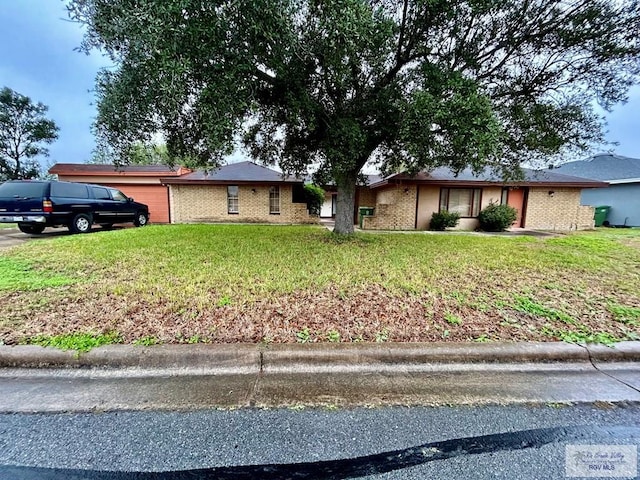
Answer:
(292, 358)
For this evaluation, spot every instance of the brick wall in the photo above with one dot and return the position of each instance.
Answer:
(395, 209)
(208, 203)
(560, 211)
(366, 197)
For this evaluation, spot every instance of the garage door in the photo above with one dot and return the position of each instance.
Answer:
(155, 196)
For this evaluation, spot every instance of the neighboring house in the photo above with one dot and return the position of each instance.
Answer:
(365, 197)
(544, 199)
(142, 182)
(238, 192)
(623, 192)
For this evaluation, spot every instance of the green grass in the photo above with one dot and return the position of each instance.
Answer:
(20, 275)
(81, 342)
(8, 225)
(192, 273)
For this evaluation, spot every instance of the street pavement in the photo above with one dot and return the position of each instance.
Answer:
(434, 443)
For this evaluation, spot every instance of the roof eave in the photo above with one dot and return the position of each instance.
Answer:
(183, 181)
(486, 183)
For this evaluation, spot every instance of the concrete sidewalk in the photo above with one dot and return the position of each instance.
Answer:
(179, 377)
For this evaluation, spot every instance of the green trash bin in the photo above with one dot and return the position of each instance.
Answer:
(600, 215)
(364, 212)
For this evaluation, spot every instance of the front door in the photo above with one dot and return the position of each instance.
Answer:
(516, 198)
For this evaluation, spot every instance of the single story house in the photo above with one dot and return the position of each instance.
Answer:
(365, 197)
(623, 192)
(142, 182)
(544, 200)
(238, 192)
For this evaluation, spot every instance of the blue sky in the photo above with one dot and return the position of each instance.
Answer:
(37, 59)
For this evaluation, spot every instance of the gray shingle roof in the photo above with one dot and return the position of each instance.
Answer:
(242, 172)
(604, 166)
(531, 177)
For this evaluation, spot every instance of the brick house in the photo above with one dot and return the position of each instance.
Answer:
(544, 200)
(238, 192)
(142, 182)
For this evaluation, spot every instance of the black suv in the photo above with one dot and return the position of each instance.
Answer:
(34, 205)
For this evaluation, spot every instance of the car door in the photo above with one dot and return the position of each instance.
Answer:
(104, 210)
(125, 209)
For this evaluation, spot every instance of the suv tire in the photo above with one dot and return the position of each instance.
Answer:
(81, 223)
(31, 229)
(141, 219)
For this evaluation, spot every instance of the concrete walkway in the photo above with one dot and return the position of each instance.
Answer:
(185, 377)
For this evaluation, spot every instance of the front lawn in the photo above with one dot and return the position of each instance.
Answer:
(244, 283)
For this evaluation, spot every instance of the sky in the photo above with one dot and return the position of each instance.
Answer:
(38, 58)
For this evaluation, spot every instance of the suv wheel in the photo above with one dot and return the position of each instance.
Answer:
(81, 223)
(141, 220)
(31, 229)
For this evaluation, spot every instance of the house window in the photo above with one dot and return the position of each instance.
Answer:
(274, 200)
(465, 201)
(232, 199)
(504, 199)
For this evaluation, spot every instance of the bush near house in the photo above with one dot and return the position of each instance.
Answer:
(442, 220)
(315, 198)
(497, 218)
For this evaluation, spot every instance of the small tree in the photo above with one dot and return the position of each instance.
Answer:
(497, 218)
(24, 131)
(315, 198)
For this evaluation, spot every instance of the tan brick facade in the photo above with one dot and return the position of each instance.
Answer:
(395, 209)
(558, 211)
(366, 197)
(208, 203)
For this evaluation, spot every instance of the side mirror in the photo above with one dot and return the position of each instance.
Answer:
(129, 199)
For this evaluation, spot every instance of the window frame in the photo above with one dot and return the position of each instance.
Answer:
(475, 204)
(233, 199)
(274, 189)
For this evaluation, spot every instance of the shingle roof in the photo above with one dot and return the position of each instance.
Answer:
(444, 175)
(108, 169)
(242, 172)
(604, 166)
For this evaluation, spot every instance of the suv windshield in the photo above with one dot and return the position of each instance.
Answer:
(22, 189)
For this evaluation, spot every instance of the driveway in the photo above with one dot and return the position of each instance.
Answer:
(10, 237)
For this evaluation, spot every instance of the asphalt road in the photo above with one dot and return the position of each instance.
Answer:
(312, 443)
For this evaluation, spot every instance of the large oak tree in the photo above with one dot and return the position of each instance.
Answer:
(410, 84)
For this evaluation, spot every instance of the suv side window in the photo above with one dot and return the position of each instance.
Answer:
(118, 196)
(69, 190)
(100, 193)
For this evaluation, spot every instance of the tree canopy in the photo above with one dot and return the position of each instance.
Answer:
(24, 132)
(411, 84)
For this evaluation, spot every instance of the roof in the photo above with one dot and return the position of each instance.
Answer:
(604, 166)
(233, 173)
(446, 176)
(83, 169)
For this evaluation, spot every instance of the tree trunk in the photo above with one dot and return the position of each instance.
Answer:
(345, 203)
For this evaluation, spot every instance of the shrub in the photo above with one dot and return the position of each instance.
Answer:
(315, 198)
(442, 220)
(496, 218)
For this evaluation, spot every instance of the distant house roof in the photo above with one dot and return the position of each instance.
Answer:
(445, 176)
(81, 169)
(234, 173)
(604, 166)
